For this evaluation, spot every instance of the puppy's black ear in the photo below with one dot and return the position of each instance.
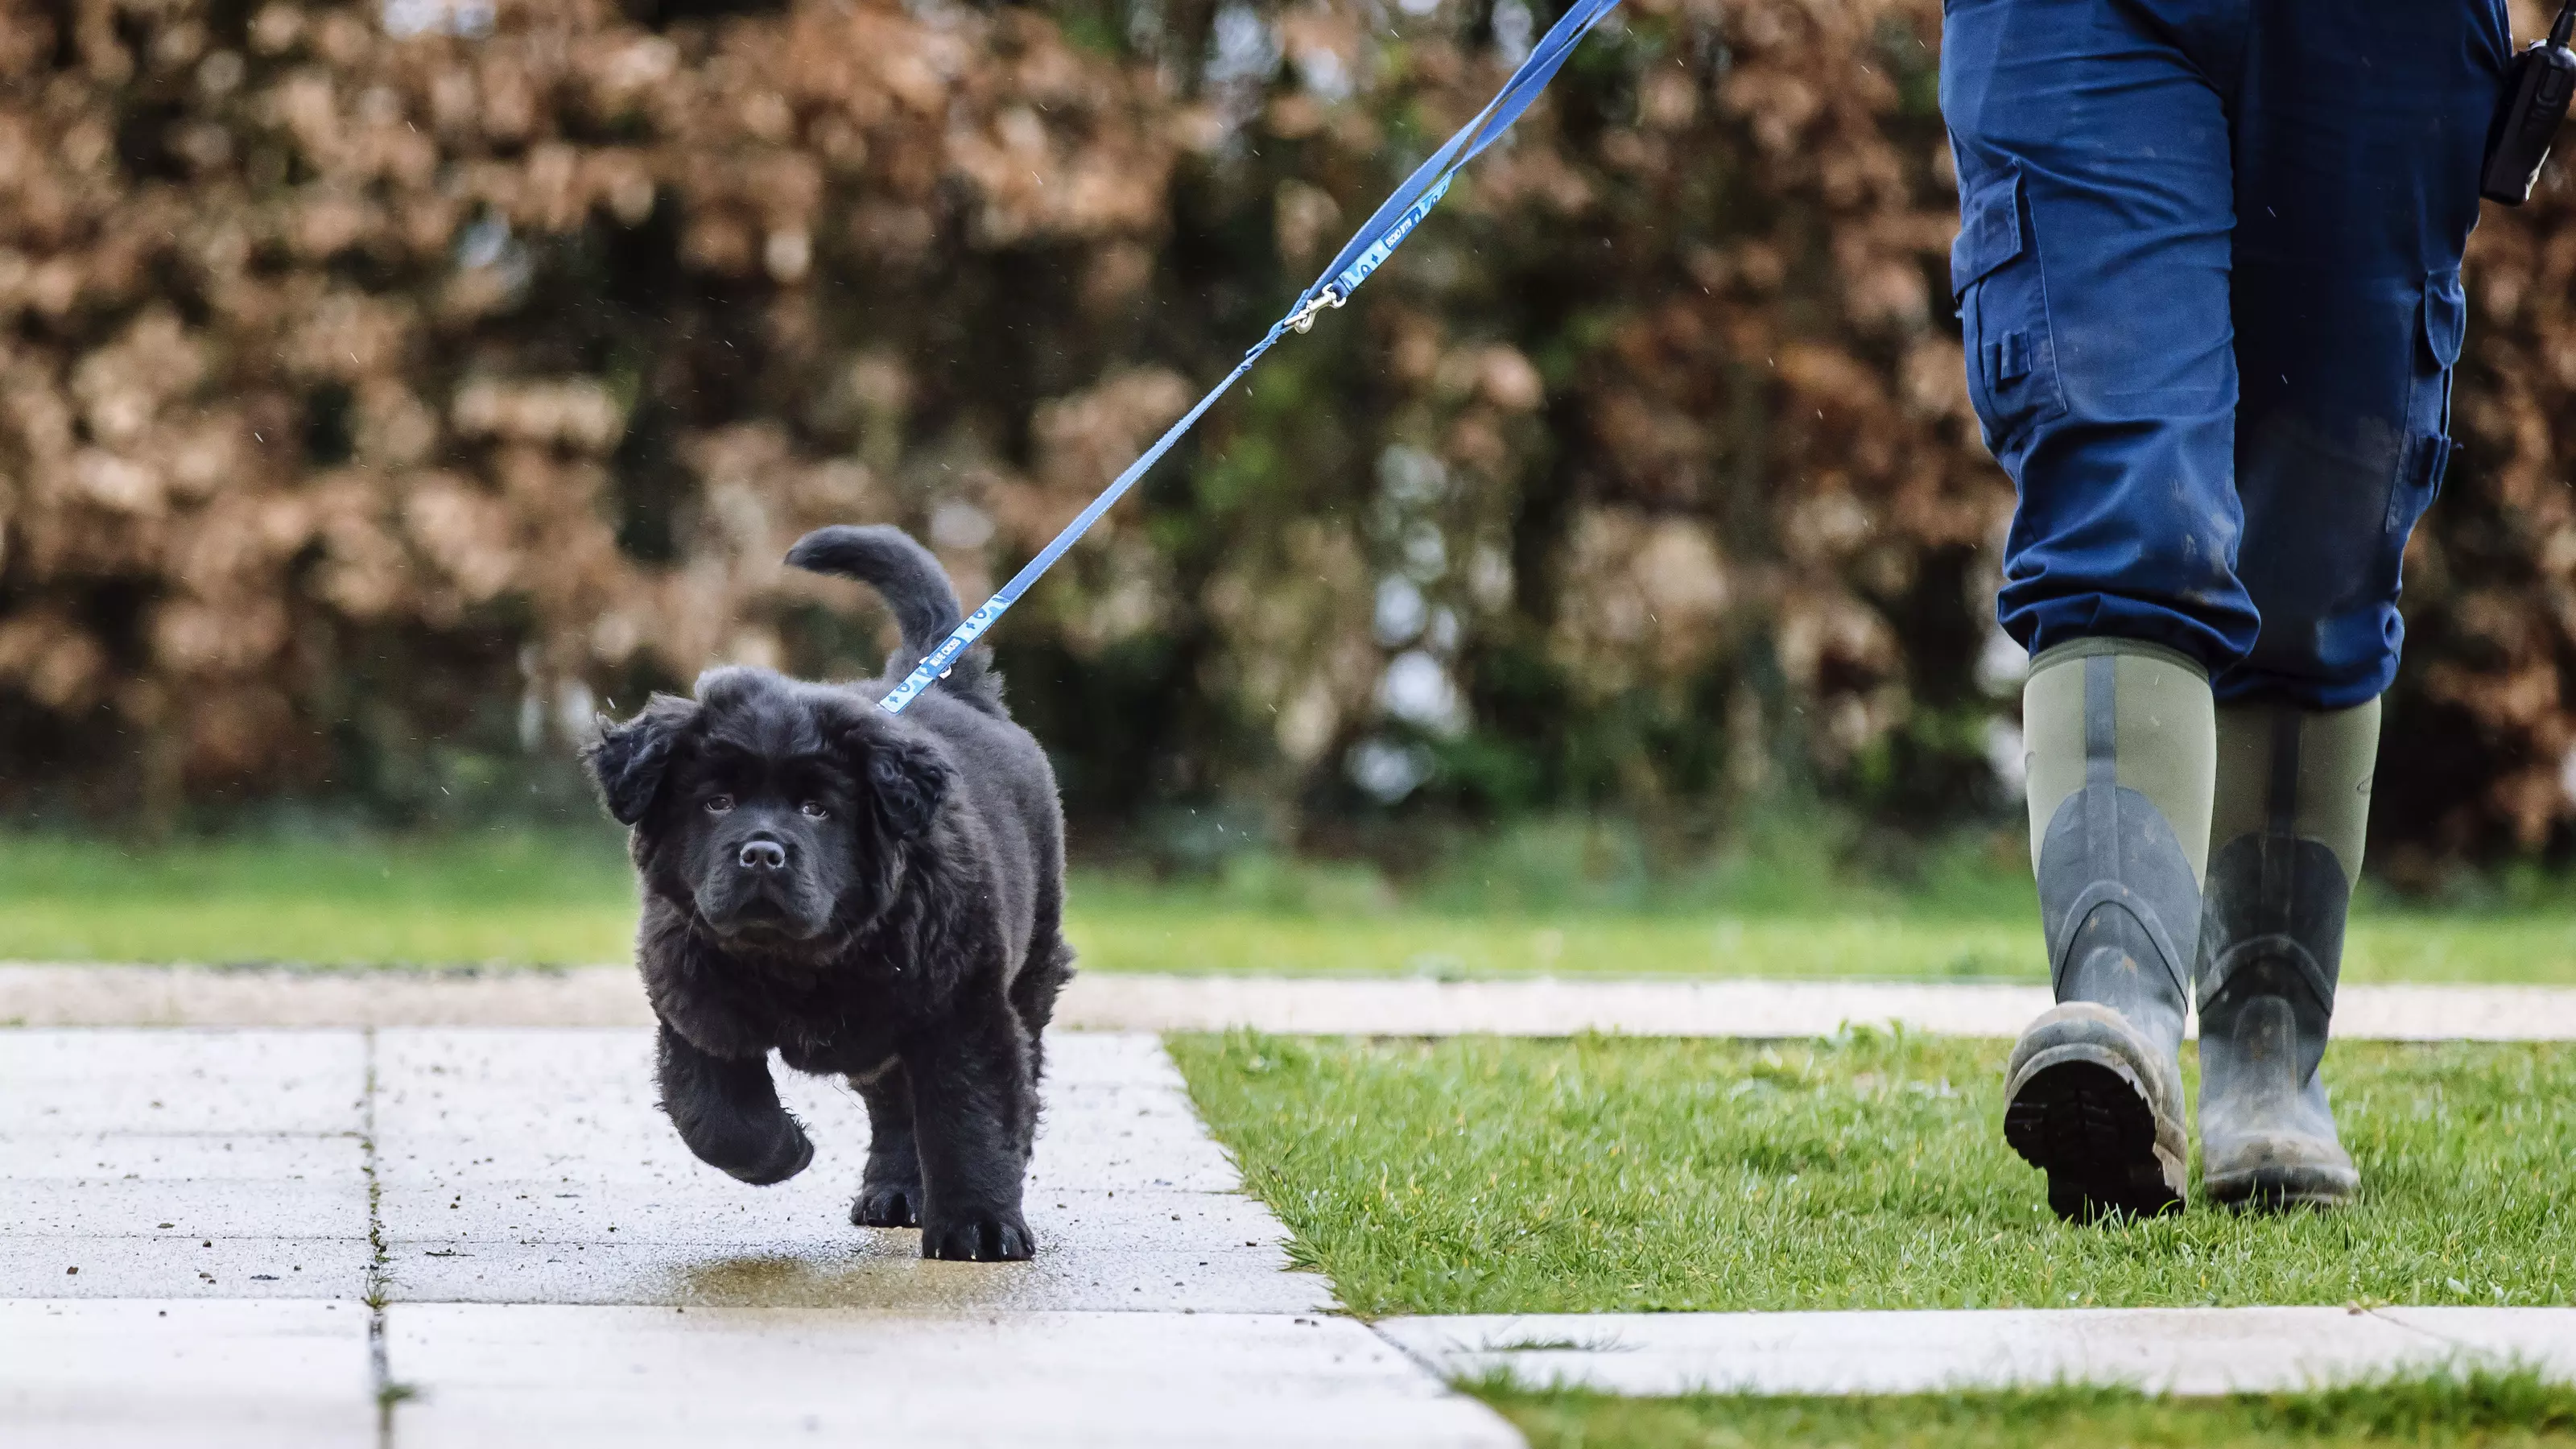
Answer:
(628, 760)
(909, 778)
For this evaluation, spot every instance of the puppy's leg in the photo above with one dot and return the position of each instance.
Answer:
(971, 1095)
(1033, 993)
(728, 1112)
(890, 1191)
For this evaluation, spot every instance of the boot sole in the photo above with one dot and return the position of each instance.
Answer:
(2080, 1114)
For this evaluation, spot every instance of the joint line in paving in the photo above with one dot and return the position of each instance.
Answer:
(379, 1371)
(1428, 1362)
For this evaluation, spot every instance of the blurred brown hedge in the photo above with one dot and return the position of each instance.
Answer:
(387, 382)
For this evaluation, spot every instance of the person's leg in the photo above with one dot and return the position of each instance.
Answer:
(2096, 189)
(2119, 786)
(2293, 801)
(2359, 128)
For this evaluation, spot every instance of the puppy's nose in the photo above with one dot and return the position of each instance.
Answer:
(763, 855)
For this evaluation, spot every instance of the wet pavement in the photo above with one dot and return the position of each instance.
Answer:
(493, 1236)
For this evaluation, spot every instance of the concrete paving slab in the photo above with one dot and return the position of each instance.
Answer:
(164, 1082)
(104, 994)
(205, 1185)
(2189, 1351)
(640, 1377)
(532, 1166)
(1079, 1058)
(183, 1164)
(527, 1107)
(150, 1157)
(2542, 1338)
(1738, 1008)
(528, 1104)
(154, 1373)
(40, 995)
(36, 1265)
(707, 1207)
(513, 1167)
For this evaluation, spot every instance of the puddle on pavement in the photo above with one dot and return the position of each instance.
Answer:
(879, 1279)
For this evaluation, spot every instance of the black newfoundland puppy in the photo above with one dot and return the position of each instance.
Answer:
(870, 895)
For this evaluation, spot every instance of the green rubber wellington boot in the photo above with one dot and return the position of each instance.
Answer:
(2272, 949)
(2093, 1089)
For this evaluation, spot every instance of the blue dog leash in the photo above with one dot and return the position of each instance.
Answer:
(1366, 251)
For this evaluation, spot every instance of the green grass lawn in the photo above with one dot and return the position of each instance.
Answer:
(516, 897)
(2475, 1410)
(564, 897)
(1490, 1176)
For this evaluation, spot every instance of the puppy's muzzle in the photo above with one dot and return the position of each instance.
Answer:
(762, 891)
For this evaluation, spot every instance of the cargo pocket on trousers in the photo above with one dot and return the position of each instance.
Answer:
(1995, 276)
(2427, 454)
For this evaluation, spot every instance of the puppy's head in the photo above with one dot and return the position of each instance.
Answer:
(781, 813)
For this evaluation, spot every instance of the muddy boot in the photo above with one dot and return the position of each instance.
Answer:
(2120, 739)
(2294, 797)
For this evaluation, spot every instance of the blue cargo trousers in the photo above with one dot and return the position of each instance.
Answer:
(2208, 274)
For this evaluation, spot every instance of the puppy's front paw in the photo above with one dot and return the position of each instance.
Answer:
(789, 1155)
(887, 1205)
(979, 1237)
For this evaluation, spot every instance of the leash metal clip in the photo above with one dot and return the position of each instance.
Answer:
(1322, 302)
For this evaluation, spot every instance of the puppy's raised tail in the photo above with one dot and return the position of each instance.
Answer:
(913, 584)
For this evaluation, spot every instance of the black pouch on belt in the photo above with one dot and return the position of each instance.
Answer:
(2537, 86)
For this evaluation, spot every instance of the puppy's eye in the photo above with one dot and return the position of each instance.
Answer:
(813, 810)
(719, 804)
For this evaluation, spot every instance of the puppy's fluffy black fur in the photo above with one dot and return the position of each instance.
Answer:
(870, 895)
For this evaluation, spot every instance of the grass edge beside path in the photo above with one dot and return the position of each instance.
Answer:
(2477, 1408)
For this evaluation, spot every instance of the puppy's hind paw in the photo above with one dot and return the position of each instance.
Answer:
(887, 1205)
(979, 1238)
